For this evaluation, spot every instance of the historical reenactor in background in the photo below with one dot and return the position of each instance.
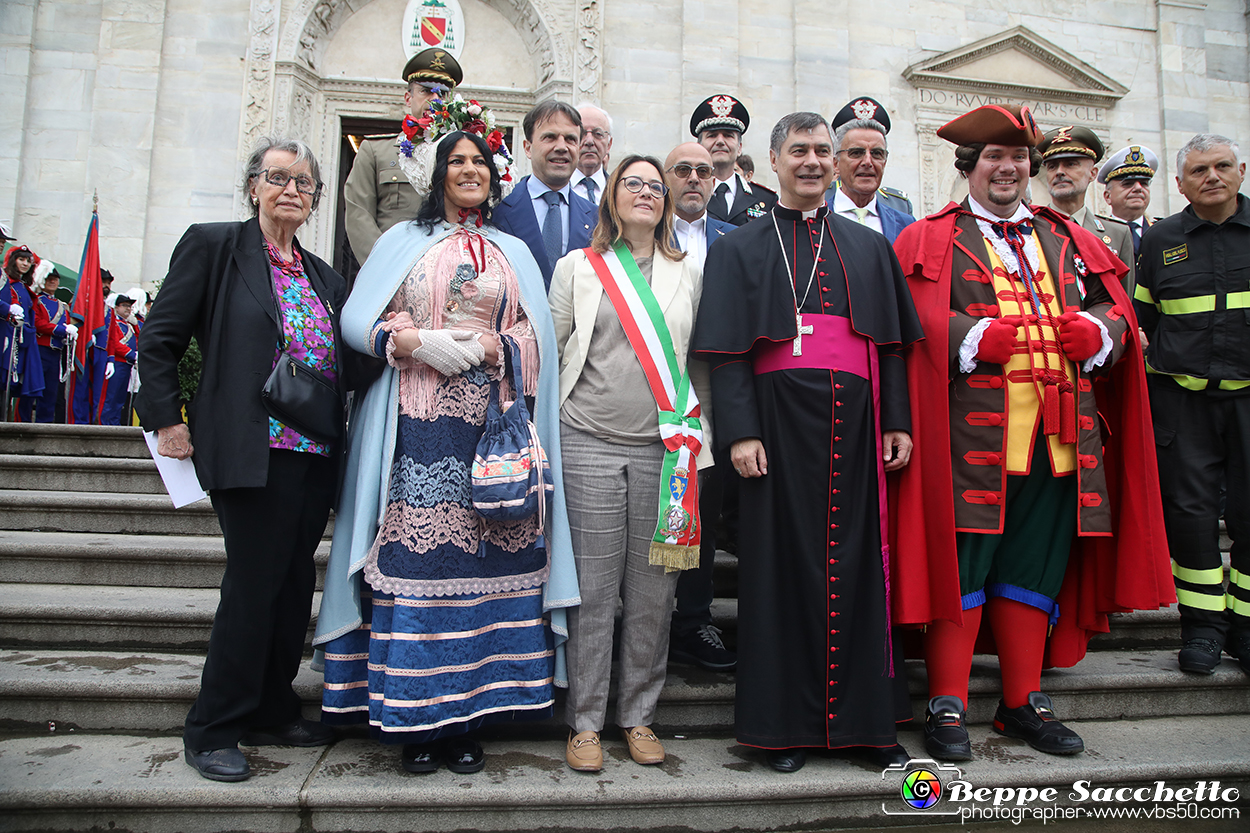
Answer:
(718, 124)
(1193, 302)
(804, 318)
(123, 351)
(1127, 173)
(19, 352)
(1070, 160)
(55, 332)
(1025, 326)
(868, 109)
(377, 194)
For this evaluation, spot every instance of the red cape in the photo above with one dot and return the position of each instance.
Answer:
(1129, 571)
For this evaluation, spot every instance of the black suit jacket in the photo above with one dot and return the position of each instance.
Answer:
(747, 205)
(219, 290)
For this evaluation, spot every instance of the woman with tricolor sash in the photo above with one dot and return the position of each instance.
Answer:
(634, 431)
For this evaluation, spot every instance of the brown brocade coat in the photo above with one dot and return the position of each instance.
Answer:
(979, 401)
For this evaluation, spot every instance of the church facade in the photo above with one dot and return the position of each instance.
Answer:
(155, 103)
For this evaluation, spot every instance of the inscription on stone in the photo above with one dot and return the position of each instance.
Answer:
(1043, 111)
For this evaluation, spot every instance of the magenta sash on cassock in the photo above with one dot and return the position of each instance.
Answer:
(833, 345)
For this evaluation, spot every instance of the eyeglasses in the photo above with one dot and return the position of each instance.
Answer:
(281, 176)
(634, 185)
(599, 133)
(877, 154)
(683, 170)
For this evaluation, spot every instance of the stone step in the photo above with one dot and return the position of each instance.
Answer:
(118, 560)
(118, 690)
(140, 618)
(119, 475)
(103, 512)
(73, 440)
(77, 782)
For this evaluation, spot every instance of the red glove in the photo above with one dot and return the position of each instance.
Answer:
(998, 341)
(1081, 339)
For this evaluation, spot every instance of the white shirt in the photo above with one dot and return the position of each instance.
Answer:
(842, 204)
(537, 188)
(579, 184)
(692, 238)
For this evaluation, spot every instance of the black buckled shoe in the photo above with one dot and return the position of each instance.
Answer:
(301, 732)
(1200, 656)
(945, 732)
(702, 647)
(787, 760)
(1238, 645)
(465, 755)
(219, 764)
(1036, 724)
(421, 757)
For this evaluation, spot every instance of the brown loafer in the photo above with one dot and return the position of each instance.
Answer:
(644, 746)
(583, 752)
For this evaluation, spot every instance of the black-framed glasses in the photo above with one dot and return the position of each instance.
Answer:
(683, 170)
(877, 154)
(281, 176)
(635, 184)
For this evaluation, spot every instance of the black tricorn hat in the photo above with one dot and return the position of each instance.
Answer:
(861, 108)
(722, 111)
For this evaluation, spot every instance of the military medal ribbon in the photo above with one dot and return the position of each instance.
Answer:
(676, 540)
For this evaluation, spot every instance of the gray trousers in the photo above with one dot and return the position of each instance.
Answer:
(612, 492)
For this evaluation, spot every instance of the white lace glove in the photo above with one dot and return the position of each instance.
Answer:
(16, 312)
(71, 330)
(450, 352)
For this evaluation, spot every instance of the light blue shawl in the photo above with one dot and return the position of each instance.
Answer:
(375, 415)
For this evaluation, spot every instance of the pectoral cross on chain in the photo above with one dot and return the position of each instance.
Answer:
(802, 331)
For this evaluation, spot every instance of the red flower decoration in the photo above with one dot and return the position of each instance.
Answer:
(495, 140)
(411, 127)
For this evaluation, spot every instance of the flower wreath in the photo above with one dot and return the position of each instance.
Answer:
(420, 137)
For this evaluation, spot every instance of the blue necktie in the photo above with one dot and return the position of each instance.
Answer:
(553, 235)
(1136, 238)
(591, 187)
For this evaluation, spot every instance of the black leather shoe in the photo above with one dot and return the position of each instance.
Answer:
(945, 732)
(299, 733)
(421, 757)
(787, 760)
(1036, 724)
(219, 764)
(465, 755)
(702, 647)
(880, 756)
(1199, 656)
(1238, 645)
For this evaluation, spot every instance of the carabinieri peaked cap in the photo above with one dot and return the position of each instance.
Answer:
(861, 108)
(993, 125)
(433, 64)
(1132, 162)
(1070, 141)
(723, 111)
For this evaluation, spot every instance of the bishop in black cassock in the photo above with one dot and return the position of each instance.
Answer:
(816, 664)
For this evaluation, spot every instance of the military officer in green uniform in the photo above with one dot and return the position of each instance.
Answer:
(377, 193)
(1069, 163)
(865, 108)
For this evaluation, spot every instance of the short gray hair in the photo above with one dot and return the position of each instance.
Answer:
(792, 122)
(1202, 143)
(256, 164)
(839, 136)
(588, 105)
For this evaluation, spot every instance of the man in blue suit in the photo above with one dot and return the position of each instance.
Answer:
(542, 209)
(861, 150)
(690, 175)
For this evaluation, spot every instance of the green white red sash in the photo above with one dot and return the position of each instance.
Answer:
(676, 540)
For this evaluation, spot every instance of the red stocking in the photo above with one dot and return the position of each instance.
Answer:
(1020, 633)
(948, 655)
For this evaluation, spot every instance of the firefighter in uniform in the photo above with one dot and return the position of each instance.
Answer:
(1193, 301)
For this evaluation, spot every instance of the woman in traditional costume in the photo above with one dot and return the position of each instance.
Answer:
(436, 621)
(633, 436)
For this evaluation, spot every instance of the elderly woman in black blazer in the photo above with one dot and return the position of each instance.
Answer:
(247, 291)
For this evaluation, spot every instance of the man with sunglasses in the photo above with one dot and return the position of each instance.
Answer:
(861, 151)
(377, 194)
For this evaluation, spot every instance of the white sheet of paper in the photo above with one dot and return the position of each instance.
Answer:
(178, 475)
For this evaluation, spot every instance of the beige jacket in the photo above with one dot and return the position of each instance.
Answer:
(574, 300)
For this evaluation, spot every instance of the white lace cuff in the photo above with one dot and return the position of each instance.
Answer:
(399, 363)
(1100, 357)
(971, 345)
